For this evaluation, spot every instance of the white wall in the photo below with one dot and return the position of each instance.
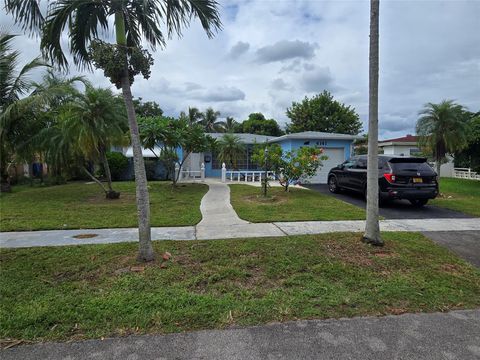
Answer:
(397, 150)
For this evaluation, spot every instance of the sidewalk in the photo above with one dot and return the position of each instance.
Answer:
(220, 221)
(453, 335)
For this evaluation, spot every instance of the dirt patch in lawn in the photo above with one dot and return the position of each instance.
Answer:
(260, 200)
(85, 236)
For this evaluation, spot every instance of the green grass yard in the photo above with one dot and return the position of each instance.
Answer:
(80, 205)
(91, 291)
(296, 205)
(460, 195)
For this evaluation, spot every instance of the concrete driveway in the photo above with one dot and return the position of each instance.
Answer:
(398, 209)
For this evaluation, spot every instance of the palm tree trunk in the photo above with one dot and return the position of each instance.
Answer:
(145, 251)
(372, 228)
(106, 167)
(90, 175)
(438, 165)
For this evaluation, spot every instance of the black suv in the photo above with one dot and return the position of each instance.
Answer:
(399, 177)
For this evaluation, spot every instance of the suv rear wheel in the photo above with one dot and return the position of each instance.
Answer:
(419, 202)
(333, 185)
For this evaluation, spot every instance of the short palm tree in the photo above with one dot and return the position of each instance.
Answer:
(442, 129)
(210, 121)
(14, 83)
(134, 21)
(230, 149)
(95, 122)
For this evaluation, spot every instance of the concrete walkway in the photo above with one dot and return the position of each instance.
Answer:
(220, 221)
(453, 335)
(244, 230)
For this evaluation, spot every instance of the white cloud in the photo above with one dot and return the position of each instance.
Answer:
(428, 52)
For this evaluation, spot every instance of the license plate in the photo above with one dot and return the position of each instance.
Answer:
(417, 180)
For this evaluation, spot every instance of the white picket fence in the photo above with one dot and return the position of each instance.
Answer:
(245, 175)
(465, 173)
(248, 175)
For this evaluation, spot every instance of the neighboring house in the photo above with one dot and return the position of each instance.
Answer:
(408, 146)
(337, 147)
(403, 146)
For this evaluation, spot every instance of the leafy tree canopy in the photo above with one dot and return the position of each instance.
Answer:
(470, 156)
(147, 108)
(323, 113)
(170, 134)
(258, 124)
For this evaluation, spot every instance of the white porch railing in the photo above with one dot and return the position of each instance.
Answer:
(465, 173)
(189, 175)
(245, 175)
(248, 175)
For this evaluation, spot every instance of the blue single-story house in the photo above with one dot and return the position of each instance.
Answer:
(337, 147)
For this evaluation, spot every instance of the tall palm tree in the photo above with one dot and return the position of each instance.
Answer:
(210, 121)
(193, 116)
(372, 228)
(14, 83)
(443, 130)
(230, 125)
(230, 149)
(95, 122)
(134, 21)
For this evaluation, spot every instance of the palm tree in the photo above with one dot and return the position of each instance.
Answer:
(372, 228)
(210, 121)
(230, 125)
(193, 117)
(95, 122)
(442, 129)
(134, 21)
(230, 150)
(14, 83)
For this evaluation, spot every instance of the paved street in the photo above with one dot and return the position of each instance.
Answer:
(454, 335)
(465, 244)
(398, 209)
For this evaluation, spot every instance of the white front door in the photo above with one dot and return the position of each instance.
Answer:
(335, 157)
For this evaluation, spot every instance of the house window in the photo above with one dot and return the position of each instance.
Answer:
(244, 163)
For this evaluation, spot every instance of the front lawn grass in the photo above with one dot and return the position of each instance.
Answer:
(77, 292)
(296, 205)
(459, 194)
(80, 205)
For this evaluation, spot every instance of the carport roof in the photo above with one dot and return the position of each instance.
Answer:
(311, 135)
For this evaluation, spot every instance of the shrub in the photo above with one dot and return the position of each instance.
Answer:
(118, 164)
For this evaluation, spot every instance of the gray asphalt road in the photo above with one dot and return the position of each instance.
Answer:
(465, 244)
(398, 209)
(454, 335)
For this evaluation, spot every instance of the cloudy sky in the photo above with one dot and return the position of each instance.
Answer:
(273, 52)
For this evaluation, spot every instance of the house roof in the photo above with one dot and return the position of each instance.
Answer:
(404, 140)
(311, 135)
(245, 138)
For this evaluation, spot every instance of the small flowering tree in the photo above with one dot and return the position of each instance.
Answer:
(292, 166)
(298, 165)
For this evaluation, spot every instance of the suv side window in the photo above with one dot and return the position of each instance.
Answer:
(362, 163)
(350, 163)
